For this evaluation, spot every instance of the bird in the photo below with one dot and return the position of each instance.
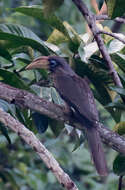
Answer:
(75, 91)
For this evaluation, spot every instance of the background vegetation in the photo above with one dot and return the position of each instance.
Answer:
(25, 33)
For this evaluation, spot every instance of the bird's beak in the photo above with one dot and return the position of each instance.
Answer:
(39, 63)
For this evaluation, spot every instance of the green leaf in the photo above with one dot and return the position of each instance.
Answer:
(14, 36)
(54, 22)
(22, 57)
(99, 63)
(5, 54)
(57, 37)
(116, 8)
(4, 105)
(79, 140)
(40, 121)
(74, 38)
(116, 46)
(117, 105)
(9, 176)
(120, 128)
(54, 48)
(120, 91)
(37, 12)
(4, 131)
(56, 126)
(119, 165)
(12, 79)
(86, 51)
(119, 59)
(56, 97)
(51, 5)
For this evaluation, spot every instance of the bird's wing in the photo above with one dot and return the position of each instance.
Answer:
(77, 93)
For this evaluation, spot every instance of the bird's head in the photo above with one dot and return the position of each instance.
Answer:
(50, 63)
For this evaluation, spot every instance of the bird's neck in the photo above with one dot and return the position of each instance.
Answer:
(54, 76)
(67, 71)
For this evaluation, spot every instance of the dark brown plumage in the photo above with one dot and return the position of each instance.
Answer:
(78, 95)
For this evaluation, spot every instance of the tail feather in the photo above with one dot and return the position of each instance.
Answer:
(95, 144)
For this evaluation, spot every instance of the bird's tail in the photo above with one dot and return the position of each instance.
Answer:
(95, 144)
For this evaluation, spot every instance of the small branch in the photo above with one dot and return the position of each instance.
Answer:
(114, 35)
(91, 20)
(33, 102)
(39, 148)
(120, 183)
(105, 17)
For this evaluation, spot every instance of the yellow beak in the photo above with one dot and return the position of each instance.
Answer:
(39, 63)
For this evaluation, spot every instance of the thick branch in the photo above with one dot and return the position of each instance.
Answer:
(112, 139)
(33, 102)
(39, 148)
(91, 20)
(25, 99)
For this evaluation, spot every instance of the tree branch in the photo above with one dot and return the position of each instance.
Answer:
(33, 102)
(112, 139)
(105, 17)
(114, 35)
(25, 99)
(91, 20)
(39, 148)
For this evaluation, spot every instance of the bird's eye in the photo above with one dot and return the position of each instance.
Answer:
(53, 63)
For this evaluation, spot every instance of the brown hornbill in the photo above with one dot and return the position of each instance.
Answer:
(78, 95)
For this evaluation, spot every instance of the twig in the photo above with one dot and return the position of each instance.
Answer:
(114, 35)
(91, 20)
(33, 102)
(39, 148)
(105, 17)
(120, 183)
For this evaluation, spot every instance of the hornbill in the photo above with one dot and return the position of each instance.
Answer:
(78, 95)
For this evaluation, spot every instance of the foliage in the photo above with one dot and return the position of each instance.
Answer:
(51, 5)
(115, 8)
(20, 168)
